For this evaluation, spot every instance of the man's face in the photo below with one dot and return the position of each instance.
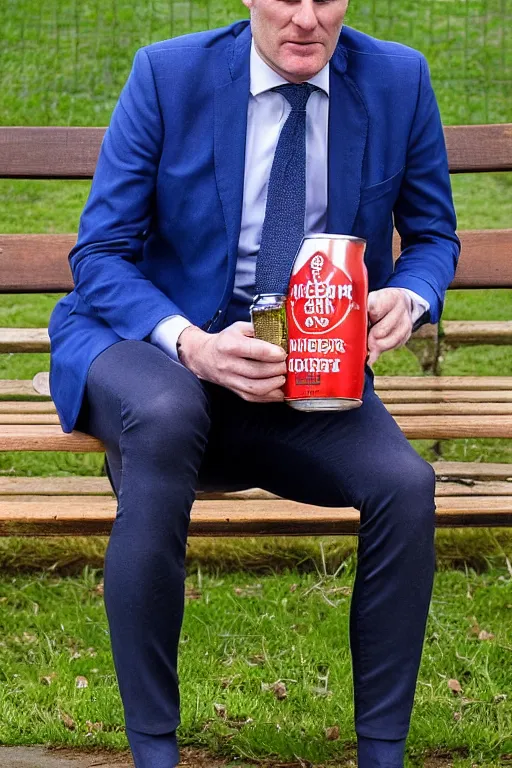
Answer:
(296, 37)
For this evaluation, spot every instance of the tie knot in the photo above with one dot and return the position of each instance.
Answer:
(296, 95)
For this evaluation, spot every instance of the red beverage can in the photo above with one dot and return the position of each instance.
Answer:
(327, 324)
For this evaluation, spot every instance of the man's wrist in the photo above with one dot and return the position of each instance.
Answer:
(187, 343)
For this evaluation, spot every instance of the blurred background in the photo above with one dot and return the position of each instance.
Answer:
(63, 62)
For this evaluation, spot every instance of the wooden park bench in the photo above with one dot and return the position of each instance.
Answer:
(429, 406)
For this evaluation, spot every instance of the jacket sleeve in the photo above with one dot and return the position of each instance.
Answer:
(117, 216)
(424, 213)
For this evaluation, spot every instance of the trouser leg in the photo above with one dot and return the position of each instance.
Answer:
(359, 458)
(152, 415)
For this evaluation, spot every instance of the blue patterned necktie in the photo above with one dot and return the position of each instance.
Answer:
(283, 226)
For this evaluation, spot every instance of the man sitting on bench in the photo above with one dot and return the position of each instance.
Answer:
(153, 353)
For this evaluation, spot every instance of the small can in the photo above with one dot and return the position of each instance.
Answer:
(327, 324)
(268, 315)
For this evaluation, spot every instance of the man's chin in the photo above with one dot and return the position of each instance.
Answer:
(302, 67)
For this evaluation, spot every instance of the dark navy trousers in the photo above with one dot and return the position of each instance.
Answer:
(166, 433)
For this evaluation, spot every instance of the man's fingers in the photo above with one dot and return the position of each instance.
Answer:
(240, 337)
(253, 369)
(376, 346)
(389, 323)
(245, 328)
(255, 388)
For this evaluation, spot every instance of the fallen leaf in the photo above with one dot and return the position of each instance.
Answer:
(278, 688)
(81, 682)
(499, 698)
(475, 629)
(68, 721)
(250, 590)
(28, 638)
(293, 587)
(48, 679)
(256, 660)
(457, 716)
(332, 733)
(99, 589)
(91, 652)
(191, 593)
(98, 726)
(484, 635)
(74, 654)
(220, 710)
(454, 686)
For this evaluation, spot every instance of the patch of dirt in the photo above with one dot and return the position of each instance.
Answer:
(62, 757)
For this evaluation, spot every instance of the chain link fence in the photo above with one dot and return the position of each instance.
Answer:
(63, 62)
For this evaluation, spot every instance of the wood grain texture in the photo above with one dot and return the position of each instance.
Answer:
(71, 153)
(457, 332)
(39, 263)
(24, 340)
(479, 148)
(16, 406)
(49, 153)
(29, 488)
(454, 396)
(71, 516)
(396, 409)
(440, 383)
(45, 437)
(391, 389)
(15, 387)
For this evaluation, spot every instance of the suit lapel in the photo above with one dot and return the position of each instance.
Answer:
(348, 131)
(230, 116)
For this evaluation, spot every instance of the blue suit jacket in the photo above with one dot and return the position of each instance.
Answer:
(160, 230)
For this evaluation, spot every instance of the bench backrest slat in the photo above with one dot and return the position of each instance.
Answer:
(71, 153)
(39, 263)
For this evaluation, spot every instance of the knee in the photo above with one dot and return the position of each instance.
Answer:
(416, 479)
(170, 418)
(407, 490)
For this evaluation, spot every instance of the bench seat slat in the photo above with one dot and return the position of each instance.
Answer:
(436, 383)
(391, 397)
(31, 488)
(396, 409)
(399, 389)
(72, 516)
(452, 471)
(43, 437)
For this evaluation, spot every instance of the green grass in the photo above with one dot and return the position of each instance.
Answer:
(239, 634)
(64, 62)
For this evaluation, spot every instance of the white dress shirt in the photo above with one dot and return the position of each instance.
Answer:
(266, 115)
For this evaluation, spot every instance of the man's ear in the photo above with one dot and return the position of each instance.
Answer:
(247, 3)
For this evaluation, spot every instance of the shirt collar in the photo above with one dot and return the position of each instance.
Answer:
(263, 77)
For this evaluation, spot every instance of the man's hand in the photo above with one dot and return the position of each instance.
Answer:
(253, 369)
(390, 315)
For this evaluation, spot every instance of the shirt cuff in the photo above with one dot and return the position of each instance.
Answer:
(419, 304)
(166, 333)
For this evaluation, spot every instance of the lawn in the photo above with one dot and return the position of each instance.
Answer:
(265, 666)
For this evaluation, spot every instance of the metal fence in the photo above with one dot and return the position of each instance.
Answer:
(65, 61)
